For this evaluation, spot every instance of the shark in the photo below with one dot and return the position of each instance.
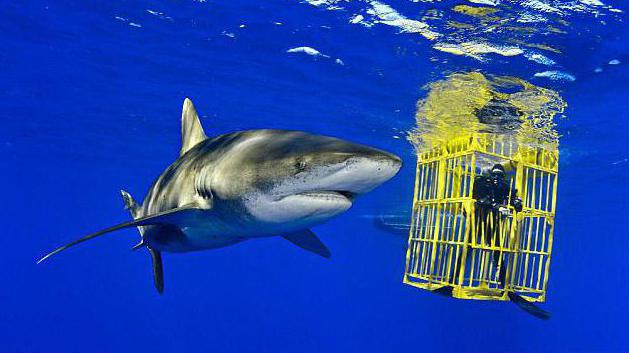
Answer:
(244, 185)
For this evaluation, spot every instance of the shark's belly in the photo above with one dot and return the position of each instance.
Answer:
(195, 236)
(200, 238)
(220, 227)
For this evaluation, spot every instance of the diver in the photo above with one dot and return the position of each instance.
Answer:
(493, 197)
(492, 194)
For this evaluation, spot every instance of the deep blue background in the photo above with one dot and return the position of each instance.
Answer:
(91, 105)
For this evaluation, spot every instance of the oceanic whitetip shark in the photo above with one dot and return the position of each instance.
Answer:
(249, 184)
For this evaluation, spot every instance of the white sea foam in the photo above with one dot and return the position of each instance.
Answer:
(380, 13)
(539, 58)
(542, 6)
(486, 2)
(370, 13)
(329, 4)
(556, 75)
(592, 2)
(132, 24)
(476, 50)
(161, 15)
(387, 15)
(308, 51)
(356, 19)
(529, 17)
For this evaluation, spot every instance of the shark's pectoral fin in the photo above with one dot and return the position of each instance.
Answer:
(174, 216)
(158, 270)
(309, 241)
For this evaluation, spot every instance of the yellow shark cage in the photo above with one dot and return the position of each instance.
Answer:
(449, 246)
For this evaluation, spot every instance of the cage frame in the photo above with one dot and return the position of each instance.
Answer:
(524, 159)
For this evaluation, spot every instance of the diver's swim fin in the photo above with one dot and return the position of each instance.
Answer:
(174, 216)
(158, 270)
(309, 241)
(529, 307)
(445, 291)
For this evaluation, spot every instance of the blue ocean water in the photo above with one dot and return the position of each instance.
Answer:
(91, 104)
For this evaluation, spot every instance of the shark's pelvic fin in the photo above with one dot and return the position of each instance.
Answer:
(309, 241)
(158, 270)
(134, 209)
(174, 216)
(139, 245)
(191, 130)
(130, 204)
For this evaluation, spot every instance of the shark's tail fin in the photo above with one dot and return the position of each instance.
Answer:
(156, 256)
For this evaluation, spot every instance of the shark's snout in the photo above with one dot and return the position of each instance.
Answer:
(387, 165)
(360, 173)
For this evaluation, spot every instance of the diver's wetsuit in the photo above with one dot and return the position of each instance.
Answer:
(491, 192)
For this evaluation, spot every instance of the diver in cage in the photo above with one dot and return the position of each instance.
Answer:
(493, 196)
(493, 193)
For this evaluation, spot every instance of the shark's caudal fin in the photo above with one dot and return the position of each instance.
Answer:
(308, 241)
(191, 130)
(529, 307)
(171, 217)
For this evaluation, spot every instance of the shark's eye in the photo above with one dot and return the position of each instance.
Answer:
(300, 165)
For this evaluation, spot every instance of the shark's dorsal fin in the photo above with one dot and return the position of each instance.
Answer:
(191, 130)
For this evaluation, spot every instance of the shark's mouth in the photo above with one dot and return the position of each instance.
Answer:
(330, 195)
(348, 194)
